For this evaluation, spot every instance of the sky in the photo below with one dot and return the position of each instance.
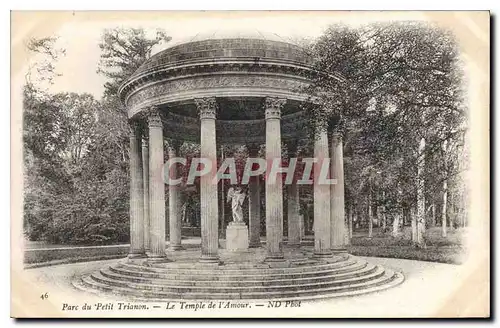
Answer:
(80, 37)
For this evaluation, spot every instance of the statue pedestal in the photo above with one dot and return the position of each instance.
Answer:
(236, 237)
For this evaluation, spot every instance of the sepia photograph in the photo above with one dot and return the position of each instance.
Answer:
(250, 164)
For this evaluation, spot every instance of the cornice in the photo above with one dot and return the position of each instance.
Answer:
(206, 66)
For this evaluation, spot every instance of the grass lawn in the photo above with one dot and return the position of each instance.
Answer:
(438, 249)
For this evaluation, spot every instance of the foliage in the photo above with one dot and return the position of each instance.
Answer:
(385, 86)
(123, 50)
(42, 68)
(76, 148)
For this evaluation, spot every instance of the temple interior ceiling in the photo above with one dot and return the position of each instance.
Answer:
(233, 108)
(231, 131)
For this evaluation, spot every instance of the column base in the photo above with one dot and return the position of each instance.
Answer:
(339, 250)
(214, 259)
(322, 254)
(274, 258)
(176, 247)
(134, 256)
(158, 258)
(254, 244)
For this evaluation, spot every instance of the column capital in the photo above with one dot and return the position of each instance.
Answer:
(145, 142)
(207, 107)
(273, 106)
(153, 117)
(134, 129)
(336, 125)
(336, 136)
(320, 130)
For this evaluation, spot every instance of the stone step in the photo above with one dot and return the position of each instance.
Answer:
(203, 270)
(387, 280)
(242, 276)
(120, 274)
(187, 265)
(251, 263)
(169, 286)
(217, 275)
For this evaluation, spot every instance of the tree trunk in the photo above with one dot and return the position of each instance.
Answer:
(395, 224)
(370, 219)
(347, 238)
(413, 219)
(451, 209)
(384, 221)
(399, 217)
(445, 191)
(444, 210)
(378, 216)
(420, 220)
(434, 219)
(384, 216)
(424, 223)
(351, 214)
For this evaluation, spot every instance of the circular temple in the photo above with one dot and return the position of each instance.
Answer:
(238, 73)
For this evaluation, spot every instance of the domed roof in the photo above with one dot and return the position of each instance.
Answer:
(219, 44)
(234, 34)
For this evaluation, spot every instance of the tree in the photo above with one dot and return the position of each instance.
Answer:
(389, 86)
(123, 51)
(76, 148)
(42, 68)
(59, 131)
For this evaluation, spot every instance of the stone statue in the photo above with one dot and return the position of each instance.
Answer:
(237, 196)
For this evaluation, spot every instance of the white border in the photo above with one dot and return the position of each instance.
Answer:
(178, 5)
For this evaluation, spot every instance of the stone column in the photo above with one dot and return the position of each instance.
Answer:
(294, 226)
(254, 203)
(156, 186)
(136, 195)
(174, 202)
(301, 226)
(321, 198)
(145, 179)
(207, 108)
(337, 194)
(222, 196)
(293, 203)
(274, 191)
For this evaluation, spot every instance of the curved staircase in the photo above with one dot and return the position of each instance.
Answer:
(305, 278)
